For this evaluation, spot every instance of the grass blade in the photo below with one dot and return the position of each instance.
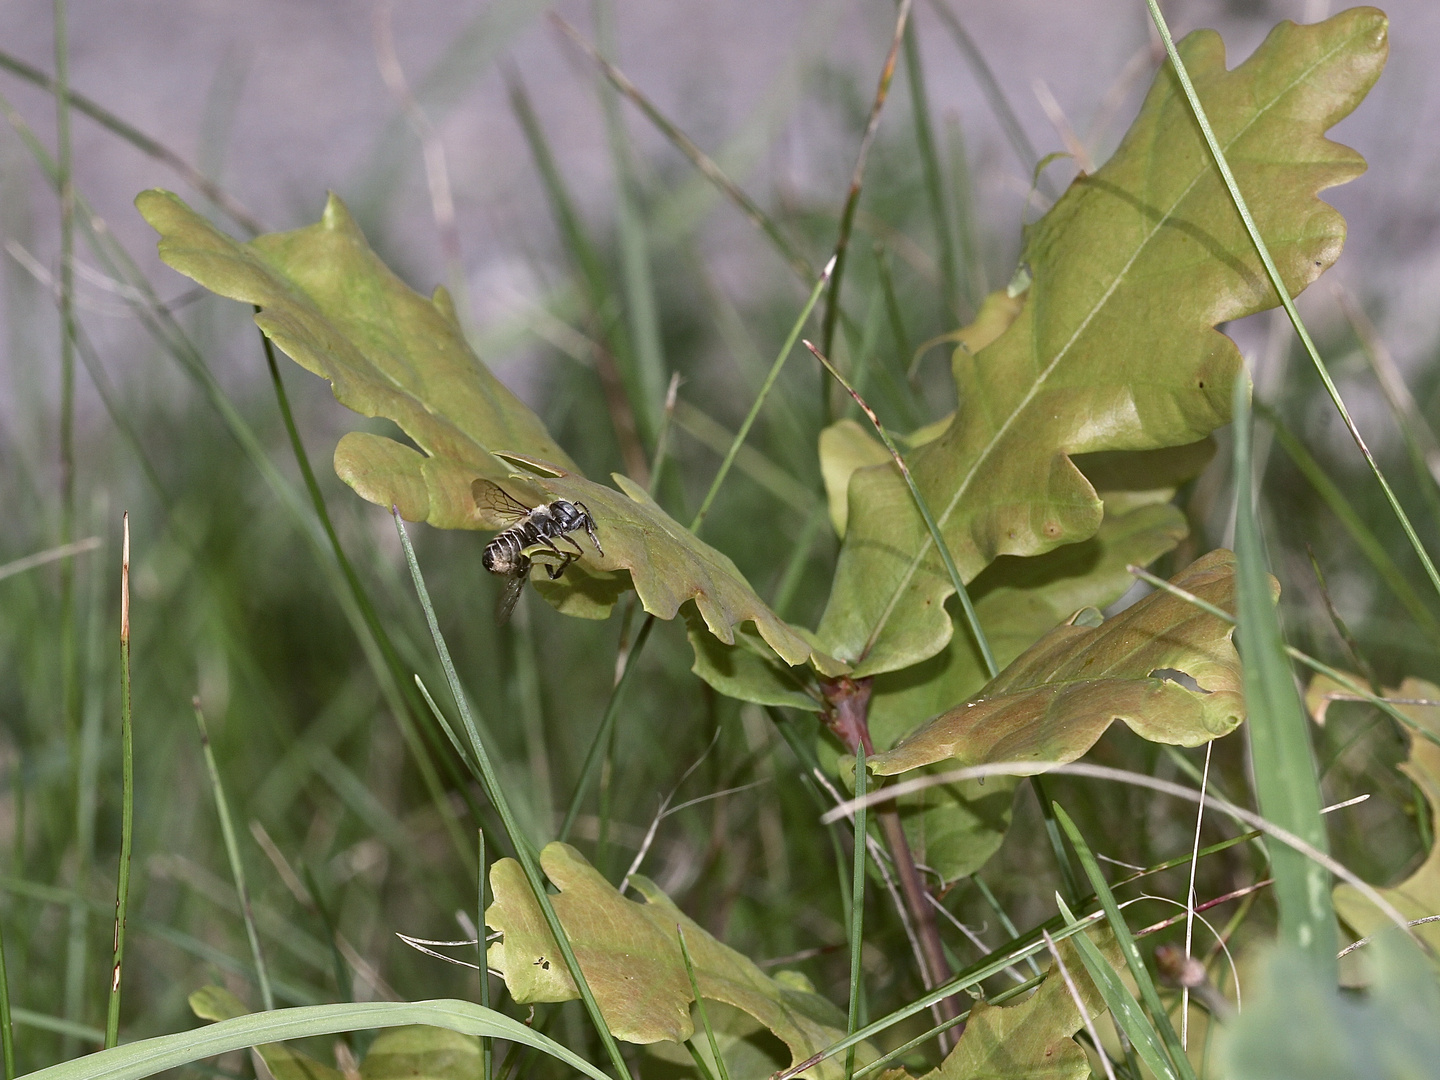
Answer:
(127, 796)
(138, 139)
(1126, 940)
(1280, 290)
(646, 380)
(972, 620)
(1361, 533)
(602, 734)
(857, 912)
(852, 197)
(700, 1007)
(237, 865)
(137, 1060)
(759, 402)
(934, 180)
(1125, 1010)
(496, 794)
(1283, 762)
(487, 1044)
(704, 164)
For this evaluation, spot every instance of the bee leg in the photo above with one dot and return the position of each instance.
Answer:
(579, 551)
(555, 571)
(590, 526)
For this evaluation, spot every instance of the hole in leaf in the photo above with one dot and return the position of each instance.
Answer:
(1179, 678)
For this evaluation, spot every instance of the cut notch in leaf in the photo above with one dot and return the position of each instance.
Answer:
(1054, 701)
(1115, 347)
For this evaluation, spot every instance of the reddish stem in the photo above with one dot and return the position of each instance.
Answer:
(848, 717)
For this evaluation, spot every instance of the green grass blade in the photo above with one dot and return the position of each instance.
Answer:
(934, 179)
(972, 620)
(487, 1044)
(700, 1007)
(1125, 1010)
(1068, 880)
(1158, 1016)
(1285, 299)
(237, 865)
(138, 139)
(127, 798)
(594, 755)
(852, 197)
(703, 163)
(857, 911)
(404, 716)
(759, 402)
(994, 94)
(147, 1057)
(1364, 537)
(646, 385)
(496, 794)
(1282, 759)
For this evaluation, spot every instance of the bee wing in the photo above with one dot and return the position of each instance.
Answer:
(492, 497)
(514, 586)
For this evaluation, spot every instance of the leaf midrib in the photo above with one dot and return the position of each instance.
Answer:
(997, 438)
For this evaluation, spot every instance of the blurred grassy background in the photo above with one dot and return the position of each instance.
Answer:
(235, 603)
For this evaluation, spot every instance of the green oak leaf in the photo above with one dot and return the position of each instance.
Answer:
(1057, 698)
(331, 305)
(669, 565)
(1419, 894)
(630, 953)
(955, 828)
(1115, 347)
(329, 302)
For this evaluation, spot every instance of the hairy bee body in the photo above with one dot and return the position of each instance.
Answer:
(509, 554)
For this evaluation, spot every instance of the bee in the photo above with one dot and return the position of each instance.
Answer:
(544, 527)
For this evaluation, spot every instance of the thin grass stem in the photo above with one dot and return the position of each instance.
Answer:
(405, 713)
(852, 197)
(496, 794)
(857, 913)
(703, 163)
(237, 864)
(1278, 283)
(700, 1006)
(135, 137)
(594, 755)
(487, 1044)
(1364, 537)
(994, 94)
(972, 620)
(1148, 994)
(934, 178)
(759, 401)
(127, 795)
(7, 1026)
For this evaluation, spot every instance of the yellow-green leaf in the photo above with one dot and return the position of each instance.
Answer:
(630, 954)
(422, 1053)
(1057, 698)
(330, 304)
(1115, 346)
(669, 565)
